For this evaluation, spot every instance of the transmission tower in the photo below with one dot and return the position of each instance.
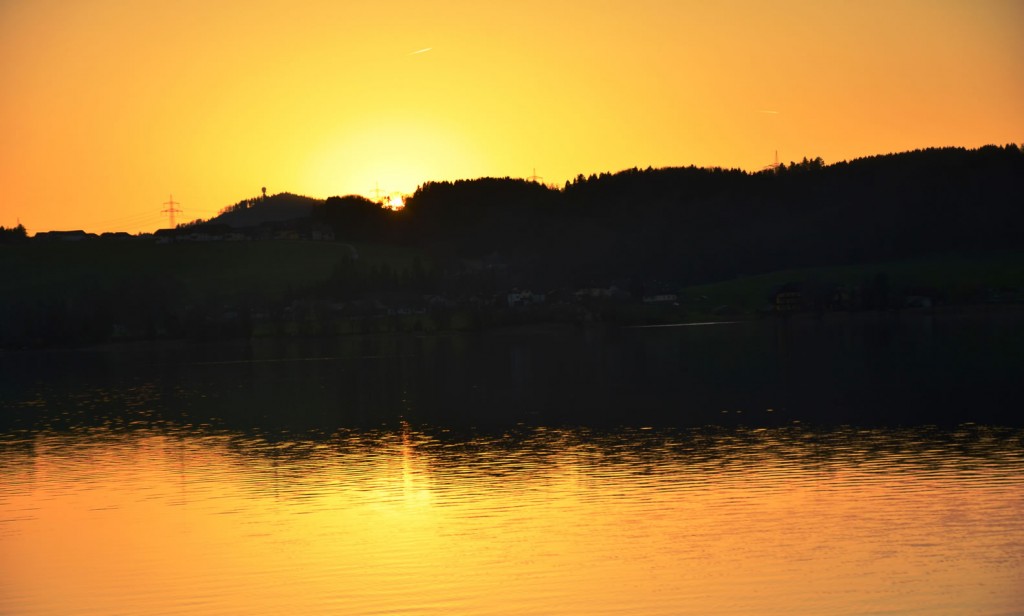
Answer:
(377, 192)
(171, 210)
(534, 178)
(774, 166)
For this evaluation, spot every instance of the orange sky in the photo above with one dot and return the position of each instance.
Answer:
(108, 106)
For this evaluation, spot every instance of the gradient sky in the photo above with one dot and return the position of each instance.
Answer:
(108, 106)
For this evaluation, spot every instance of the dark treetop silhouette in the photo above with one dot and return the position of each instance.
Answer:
(464, 253)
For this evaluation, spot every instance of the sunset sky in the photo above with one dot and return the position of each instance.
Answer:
(109, 106)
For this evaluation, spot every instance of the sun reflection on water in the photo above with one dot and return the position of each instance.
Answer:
(785, 520)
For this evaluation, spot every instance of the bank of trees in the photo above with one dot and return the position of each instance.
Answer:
(694, 225)
(638, 229)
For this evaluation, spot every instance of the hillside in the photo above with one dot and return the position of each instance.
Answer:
(260, 210)
(933, 227)
(692, 226)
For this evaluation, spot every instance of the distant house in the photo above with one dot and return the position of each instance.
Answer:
(165, 236)
(64, 236)
(321, 233)
(598, 292)
(287, 234)
(661, 298)
(788, 298)
(521, 299)
(200, 236)
(438, 301)
(117, 235)
(788, 301)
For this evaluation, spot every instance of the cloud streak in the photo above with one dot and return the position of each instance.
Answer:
(418, 51)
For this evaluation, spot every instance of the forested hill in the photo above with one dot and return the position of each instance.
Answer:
(471, 253)
(692, 225)
(253, 212)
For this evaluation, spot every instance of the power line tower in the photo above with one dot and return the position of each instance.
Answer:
(774, 166)
(534, 178)
(171, 210)
(377, 192)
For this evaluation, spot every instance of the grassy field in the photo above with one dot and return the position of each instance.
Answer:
(958, 278)
(46, 269)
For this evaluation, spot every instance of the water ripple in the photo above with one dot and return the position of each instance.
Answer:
(189, 519)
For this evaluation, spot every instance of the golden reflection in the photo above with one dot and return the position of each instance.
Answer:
(415, 482)
(553, 521)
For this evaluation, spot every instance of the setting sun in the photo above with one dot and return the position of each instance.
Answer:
(395, 202)
(463, 307)
(107, 109)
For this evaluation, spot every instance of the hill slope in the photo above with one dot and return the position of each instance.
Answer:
(276, 208)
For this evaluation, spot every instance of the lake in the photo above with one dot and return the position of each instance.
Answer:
(845, 466)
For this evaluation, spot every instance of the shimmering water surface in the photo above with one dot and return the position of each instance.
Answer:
(784, 520)
(698, 472)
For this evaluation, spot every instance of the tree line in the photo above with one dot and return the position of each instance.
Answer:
(694, 225)
(637, 229)
(12, 234)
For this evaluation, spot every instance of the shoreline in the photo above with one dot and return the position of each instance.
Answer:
(546, 327)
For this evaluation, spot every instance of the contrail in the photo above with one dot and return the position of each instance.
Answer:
(424, 50)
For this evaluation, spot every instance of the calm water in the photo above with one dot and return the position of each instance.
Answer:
(705, 471)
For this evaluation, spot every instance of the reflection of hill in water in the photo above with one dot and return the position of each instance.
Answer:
(916, 370)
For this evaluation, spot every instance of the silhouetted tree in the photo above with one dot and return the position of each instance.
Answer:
(13, 234)
(354, 218)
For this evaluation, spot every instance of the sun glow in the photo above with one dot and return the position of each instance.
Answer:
(387, 159)
(100, 123)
